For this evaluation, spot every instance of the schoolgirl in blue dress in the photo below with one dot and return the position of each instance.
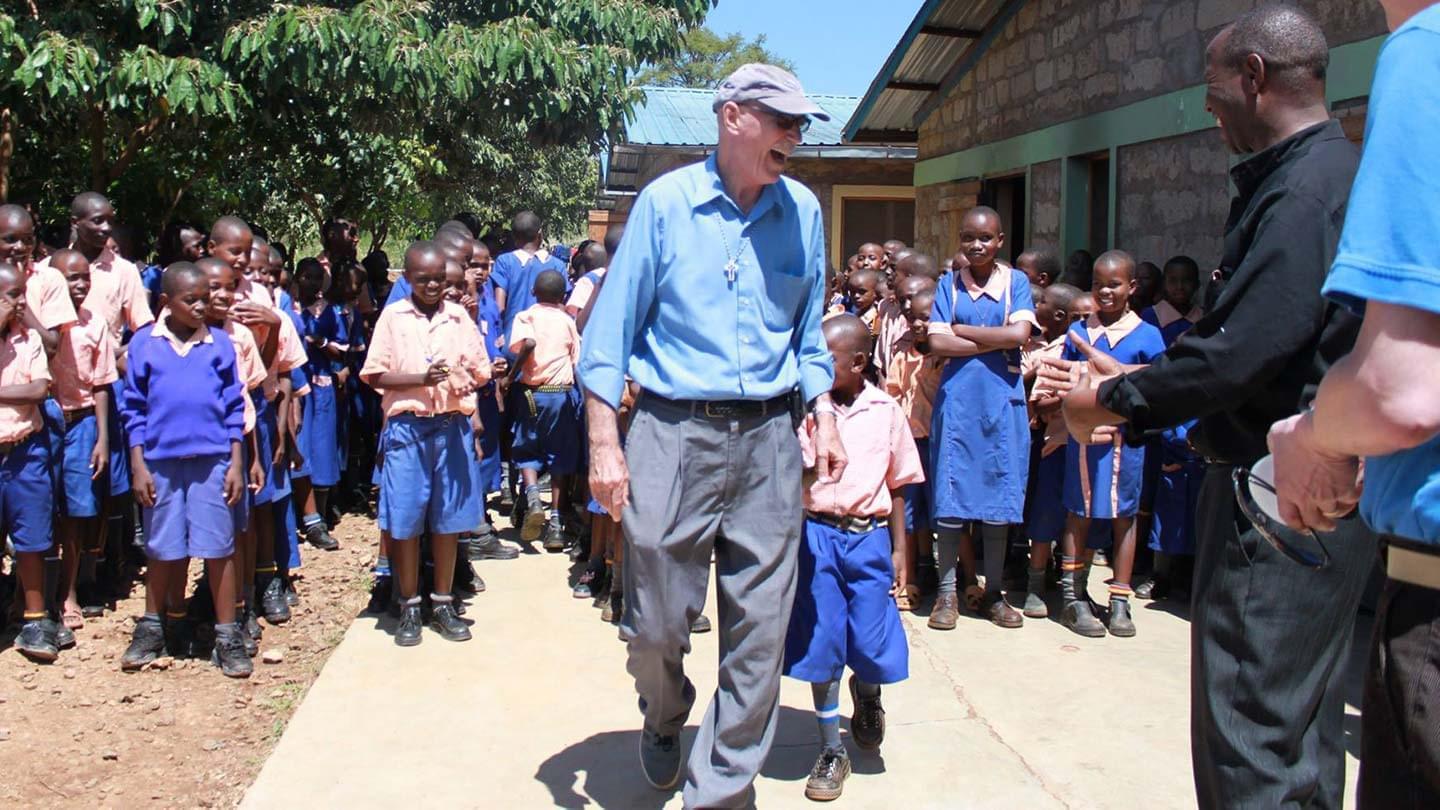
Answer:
(1103, 479)
(980, 432)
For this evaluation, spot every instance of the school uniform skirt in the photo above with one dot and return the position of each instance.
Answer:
(979, 443)
(319, 437)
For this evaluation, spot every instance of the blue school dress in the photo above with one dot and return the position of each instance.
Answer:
(487, 318)
(1104, 480)
(319, 432)
(980, 431)
(1173, 502)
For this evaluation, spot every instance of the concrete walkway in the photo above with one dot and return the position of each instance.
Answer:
(538, 711)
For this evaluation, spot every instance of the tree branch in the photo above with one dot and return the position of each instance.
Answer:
(134, 144)
(7, 151)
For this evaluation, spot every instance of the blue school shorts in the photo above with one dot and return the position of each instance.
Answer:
(190, 517)
(1045, 514)
(488, 468)
(844, 614)
(319, 437)
(426, 480)
(267, 436)
(547, 430)
(119, 445)
(52, 425)
(918, 502)
(27, 490)
(82, 492)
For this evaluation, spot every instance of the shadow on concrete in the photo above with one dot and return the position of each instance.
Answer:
(602, 770)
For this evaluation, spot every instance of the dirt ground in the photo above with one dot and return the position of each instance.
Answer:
(81, 733)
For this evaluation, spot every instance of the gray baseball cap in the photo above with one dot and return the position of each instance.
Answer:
(769, 86)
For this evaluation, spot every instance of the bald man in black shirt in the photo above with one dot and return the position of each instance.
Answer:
(1269, 635)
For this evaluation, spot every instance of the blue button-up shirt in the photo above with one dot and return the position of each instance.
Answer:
(669, 316)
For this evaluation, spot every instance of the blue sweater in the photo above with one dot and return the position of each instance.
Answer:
(176, 406)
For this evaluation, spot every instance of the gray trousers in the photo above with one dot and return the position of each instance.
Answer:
(1269, 639)
(731, 486)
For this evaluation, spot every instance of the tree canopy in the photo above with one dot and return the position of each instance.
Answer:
(375, 109)
(706, 58)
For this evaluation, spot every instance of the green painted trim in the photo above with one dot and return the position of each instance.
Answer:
(1074, 204)
(1352, 70)
(887, 71)
(1029, 206)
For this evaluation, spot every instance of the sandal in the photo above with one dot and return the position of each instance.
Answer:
(73, 618)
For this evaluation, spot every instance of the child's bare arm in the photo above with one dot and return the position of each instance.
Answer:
(1009, 336)
(900, 542)
(24, 394)
(141, 482)
(434, 375)
(527, 348)
(100, 455)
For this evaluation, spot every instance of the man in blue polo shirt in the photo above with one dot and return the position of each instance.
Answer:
(1382, 404)
(712, 305)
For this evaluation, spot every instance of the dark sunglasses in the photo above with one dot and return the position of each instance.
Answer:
(1308, 549)
(784, 121)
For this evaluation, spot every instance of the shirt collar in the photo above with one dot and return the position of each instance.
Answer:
(1252, 172)
(447, 310)
(182, 347)
(995, 286)
(710, 187)
(1116, 331)
(1166, 313)
(868, 397)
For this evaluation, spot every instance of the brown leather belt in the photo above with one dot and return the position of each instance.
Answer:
(79, 413)
(728, 408)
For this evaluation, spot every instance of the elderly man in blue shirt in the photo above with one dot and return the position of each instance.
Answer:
(712, 306)
(1382, 404)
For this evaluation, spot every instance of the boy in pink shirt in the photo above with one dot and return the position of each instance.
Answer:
(844, 613)
(546, 405)
(427, 361)
(47, 301)
(83, 369)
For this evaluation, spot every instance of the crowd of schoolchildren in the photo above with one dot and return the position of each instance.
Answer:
(236, 401)
(225, 403)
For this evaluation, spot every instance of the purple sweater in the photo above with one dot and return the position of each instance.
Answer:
(176, 406)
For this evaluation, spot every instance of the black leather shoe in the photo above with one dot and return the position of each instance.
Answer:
(229, 653)
(318, 536)
(444, 621)
(407, 633)
(489, 547)
(867, 725)
(272, 601)
(64, 636)
(554, 535)
(37, 641)
(291, 597)
(147, 643)
(249, 635)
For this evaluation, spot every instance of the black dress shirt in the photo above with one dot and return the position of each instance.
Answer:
(1268, 336)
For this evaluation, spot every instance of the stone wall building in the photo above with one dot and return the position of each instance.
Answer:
(866, 191)
(1082, 121)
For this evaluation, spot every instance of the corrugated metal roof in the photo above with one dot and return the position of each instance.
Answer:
(681, 116)
(943, 37)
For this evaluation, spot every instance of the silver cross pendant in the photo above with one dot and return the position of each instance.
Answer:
(731, 270)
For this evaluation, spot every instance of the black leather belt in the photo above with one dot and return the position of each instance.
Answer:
(727, 408)
(847, 523)
(79, 413)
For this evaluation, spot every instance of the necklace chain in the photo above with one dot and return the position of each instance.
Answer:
(732, 265)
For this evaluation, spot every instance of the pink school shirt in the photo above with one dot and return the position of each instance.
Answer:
(22, 361)
(583, 292)
(557, 345)
(1056, 434)
(249, 364)
(407, 342)
(117, 294)
(47, 296)
(890, 327)
(289, 353)
(877, 440)
(84, 361)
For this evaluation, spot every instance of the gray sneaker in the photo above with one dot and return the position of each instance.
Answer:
(1035, 607)
(660, 758)
(827, 777)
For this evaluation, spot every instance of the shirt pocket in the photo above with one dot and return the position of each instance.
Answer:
(783, 297)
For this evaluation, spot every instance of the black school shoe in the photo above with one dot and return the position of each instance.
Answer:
(867, 725)
(380, 595)
(147, 643)
(827, 777)
(407, 633)
(229, 653)
(249, 631)
(489, 547)
(272, 600)
(38, 641)
(445, 621)
(318, 535)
